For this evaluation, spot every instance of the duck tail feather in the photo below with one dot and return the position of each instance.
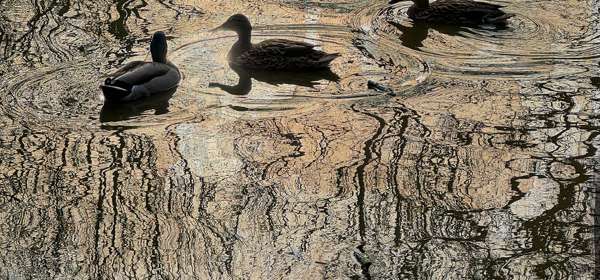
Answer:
(113, 93)
(498, 20)
(326, 59)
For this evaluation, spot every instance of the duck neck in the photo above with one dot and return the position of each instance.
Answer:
(244, 42)
(160, 59)
(421, 4)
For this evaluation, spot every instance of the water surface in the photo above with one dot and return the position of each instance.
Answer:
(475, 158)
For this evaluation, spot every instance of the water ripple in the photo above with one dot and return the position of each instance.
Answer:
(538, 43)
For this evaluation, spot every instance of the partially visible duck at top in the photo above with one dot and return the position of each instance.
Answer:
(457, 12)
(139, 79)
(274, 54)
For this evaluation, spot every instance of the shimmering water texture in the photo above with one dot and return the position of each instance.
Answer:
(426, 152)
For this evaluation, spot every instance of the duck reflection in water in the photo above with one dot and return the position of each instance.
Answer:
(413, 36)
(308, 78)
(114, 111)
(450, 17)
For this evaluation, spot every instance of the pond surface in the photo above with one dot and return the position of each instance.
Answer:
(474, 156)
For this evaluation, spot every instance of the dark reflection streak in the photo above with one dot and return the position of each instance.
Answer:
(58, 239)
(452, 170)
(156, 256)
(170, 197)
(514, 186)
(4, 38)
(419, 160)
(150, 195)
(152, 198)
(90, 167)
(269, 210)
(115, 189)
(282, 159)
(136, 10)
(59, 203)
(393, 169)
(63, 154)
(340, 173)
(264, 176)
(595, 192)
(100, 218)
(322, 146)
(36, 180)
(65, 8)
(62, 55)
(31, 24)
(118, 27)
(22, 150)
(226, 241)
(172, 7)
(360, 176)
(543, 228)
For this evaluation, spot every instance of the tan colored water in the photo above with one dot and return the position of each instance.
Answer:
(478, 160)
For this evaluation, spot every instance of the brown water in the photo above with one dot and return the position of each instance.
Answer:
(478, 159)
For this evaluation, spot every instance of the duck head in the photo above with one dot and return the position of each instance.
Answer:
(158, 47)
(238, 23)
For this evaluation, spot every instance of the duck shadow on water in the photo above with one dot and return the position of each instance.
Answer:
(159, 103)
(305, 78)
(413, 36)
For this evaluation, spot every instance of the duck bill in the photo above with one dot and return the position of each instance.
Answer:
(218, 28)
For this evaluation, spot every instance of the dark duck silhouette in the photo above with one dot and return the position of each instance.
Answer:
(457, 12)
(274, 54)
(139, 79)
(244, 85)
(113, 112)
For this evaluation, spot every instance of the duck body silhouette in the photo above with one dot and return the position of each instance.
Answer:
(245, 76)
(274, 54)
(139, 79)
(457, 12)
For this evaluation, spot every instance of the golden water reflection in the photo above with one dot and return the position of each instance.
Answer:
(466, 171)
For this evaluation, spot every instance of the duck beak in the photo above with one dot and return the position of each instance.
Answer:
(219, 28)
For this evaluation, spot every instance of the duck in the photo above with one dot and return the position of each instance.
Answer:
(273, 54)
(457, 12)
(139, 79)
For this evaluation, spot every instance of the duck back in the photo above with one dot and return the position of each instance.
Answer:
(462, 12)
(281, 54)
(140, 79)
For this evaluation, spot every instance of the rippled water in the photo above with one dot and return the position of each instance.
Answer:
(474, 156)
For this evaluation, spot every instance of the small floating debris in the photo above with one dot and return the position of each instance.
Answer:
(380, 88)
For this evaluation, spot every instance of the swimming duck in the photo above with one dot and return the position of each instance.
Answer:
(274, 54)
(140, 79)
(456, 12)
